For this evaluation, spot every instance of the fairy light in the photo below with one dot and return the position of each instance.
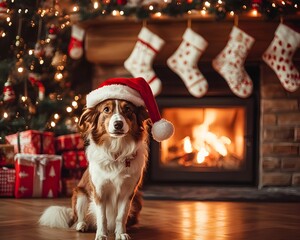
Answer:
(220, 1)
(75, 8)
(115, 13)
(96, 5)
(207, 4)
(69, 109)
(157, 14)
(151, 7)
(76, 98)
(3, 34)
(283, 3)
(231, 13)
(5, 115)
(52, 124)
(41, 61)
(75, 104)
(56, 116)
(274, 5)
(121, 13)
(203, 12)
(58, 76)
(8, 19)
(20, 69)
(254, 13)
(76, 119)
(30, 51)
(296, 5)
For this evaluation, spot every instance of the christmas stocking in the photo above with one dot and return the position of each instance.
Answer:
(279, 56)
(75, 47)
(139, 63)
(184, 62)
(230, 62)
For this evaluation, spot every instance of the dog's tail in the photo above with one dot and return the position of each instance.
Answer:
(57, 217)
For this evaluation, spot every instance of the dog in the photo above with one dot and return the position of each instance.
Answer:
(116, 134)
(115, 126)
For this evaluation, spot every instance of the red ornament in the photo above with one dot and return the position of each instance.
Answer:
(8, 92)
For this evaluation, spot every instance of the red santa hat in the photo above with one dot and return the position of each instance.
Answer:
(138, 92)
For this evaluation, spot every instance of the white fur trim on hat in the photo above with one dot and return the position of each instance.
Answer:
(162, 130)
(114, 91)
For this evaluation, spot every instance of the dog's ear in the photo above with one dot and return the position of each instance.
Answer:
(85, 120)
(142, 115)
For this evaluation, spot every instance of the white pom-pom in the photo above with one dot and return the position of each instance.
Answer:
(76, 53)
(162, 130)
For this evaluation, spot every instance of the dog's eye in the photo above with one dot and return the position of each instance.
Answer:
(127, 109)
(106, 109)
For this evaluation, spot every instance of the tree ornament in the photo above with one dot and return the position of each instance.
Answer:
(52, 32)
(75, 48)
(8, 92)
(230, 62)
(35, 80)
(3, 8)
(279, 56)
(39, 51)
(139, 63)
(184, 62)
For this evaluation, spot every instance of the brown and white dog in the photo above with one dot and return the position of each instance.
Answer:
(116, 133)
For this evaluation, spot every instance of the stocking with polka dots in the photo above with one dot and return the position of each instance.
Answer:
(279, 56)
(185, 60)
(139, 63)
(230, 62)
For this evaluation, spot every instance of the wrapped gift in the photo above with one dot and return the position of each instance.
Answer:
(6, 154)
(69, 142)
(33, 142)
(7, 182)
(74, 159)
(37, 175)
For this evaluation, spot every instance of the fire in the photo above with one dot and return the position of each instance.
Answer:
(205, 143)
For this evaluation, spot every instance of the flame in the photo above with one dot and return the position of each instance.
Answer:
(201, 155)
(205, 141)
(187, 145)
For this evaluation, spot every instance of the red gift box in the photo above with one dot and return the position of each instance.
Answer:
(7, 182)
(69, 142)
(37, 175)
(6, 154)
(74, 159)
(33, 142)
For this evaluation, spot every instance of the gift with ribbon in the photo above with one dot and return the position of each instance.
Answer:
(32, 142)
(37, 175)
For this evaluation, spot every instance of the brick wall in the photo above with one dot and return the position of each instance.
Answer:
(279, 158)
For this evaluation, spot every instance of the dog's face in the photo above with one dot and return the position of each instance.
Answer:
(113, 119)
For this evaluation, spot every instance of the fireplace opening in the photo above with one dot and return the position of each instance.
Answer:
(213, 141)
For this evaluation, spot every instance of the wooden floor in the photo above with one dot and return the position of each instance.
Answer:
(167, 220)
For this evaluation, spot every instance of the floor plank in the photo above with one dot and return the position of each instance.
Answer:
(165, 220)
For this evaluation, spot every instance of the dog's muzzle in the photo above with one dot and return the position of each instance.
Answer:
(118, 126)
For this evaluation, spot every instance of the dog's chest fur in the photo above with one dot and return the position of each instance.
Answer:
(110, 174)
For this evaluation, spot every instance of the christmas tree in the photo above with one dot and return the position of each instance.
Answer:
(36, 73)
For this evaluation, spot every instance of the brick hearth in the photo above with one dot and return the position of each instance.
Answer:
(279, 133)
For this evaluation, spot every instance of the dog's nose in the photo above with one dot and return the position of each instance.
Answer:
(118, 125)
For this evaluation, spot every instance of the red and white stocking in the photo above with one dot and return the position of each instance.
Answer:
(75, 48)
(184, 62)
(230, 62)
(139, 63)
(279, 56)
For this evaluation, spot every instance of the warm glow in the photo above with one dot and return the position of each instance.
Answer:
(254, 13)
(5, 115)
(96, 5)
(74, 104)
(231, 13)
(201, 155)
(20, 69)
(53, 124)
(187, 145)
(56, 116)
(69, 109)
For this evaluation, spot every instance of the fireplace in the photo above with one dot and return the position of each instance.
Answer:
(213, 141)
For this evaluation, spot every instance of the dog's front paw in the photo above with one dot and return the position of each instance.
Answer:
(101, 237)
(122, 236)
(81, 227)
